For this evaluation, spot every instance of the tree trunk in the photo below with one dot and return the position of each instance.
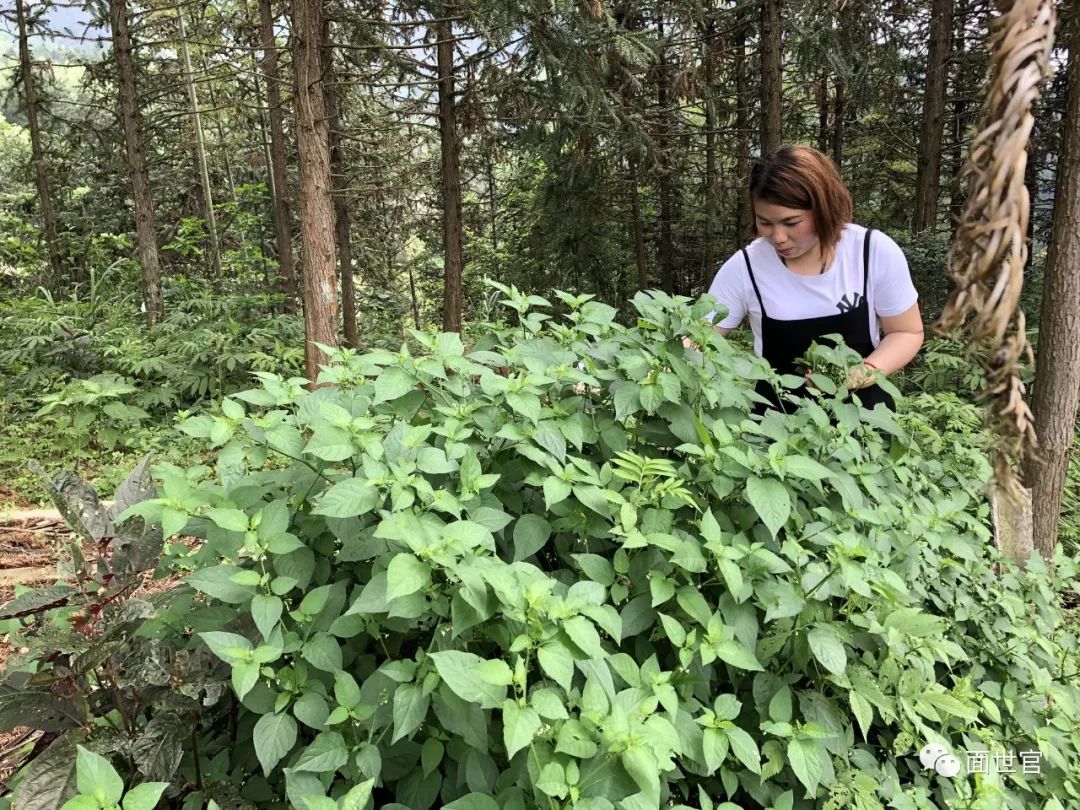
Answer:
(823, 111)
(493, 211)
(712, 191)
(667, 247)
(742, 132)
(453, 260)
(145, 237)
(771, 101)
(200, 147)
(316, 207)
(229, 176)
(639, 231)
(268, 164)
(41, 174)
(839, 111)
(1057, 379)
(341, 207)
(933, 115)
(961, 118)
(278, 185)
(413, 300)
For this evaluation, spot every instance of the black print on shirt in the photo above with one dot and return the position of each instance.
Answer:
(846, 306)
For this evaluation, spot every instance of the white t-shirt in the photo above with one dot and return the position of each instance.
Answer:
(789, 296)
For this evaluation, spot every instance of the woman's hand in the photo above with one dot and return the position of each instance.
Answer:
(861, 376)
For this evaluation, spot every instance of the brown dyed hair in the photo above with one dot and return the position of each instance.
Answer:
(804, 178)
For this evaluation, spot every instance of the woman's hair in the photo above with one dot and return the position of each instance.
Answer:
(804, 178)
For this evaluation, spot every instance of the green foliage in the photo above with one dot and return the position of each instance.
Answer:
(88, 382)
(100, 786)
(92, 410)
(634, 596)
(100, 671)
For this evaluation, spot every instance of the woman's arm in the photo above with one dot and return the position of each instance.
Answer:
(902, 341)
(723, 330)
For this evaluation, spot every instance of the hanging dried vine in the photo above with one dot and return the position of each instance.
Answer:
(988, 254)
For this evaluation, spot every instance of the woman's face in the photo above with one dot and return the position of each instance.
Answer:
(789, 230)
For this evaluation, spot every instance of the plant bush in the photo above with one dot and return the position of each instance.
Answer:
(451, 580)
(87, 379)
(206, 346)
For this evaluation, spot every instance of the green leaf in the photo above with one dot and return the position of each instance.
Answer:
(828, 649)
(596, 567)
(552, 781)
(326, 754)
(519, 726)
(557, 663)
(641, 764)
(460, 671)
(144, 796)
(330, 444)
(97, 777)
(358, 797)
(266, 611)
(548, 436)
(734, 653)
(311, 710)
(229, 647)
(805, 757)
(322, 652)
(574, 739)
(914, 622)
(216, 582)
(555, 491)
(673, 630)
(81, 803)
(406, 575)
(433, 461)
(863, 711)
(244, 677)
(346, 691)
(744, 747)
(233, 520)
(734, 580)
(349, 498)
(803, 467)
(274, 736)
(315, 600)
(394, 382)
(583, 633)
(531, 532)
(528, 405)
(431, 754)
(548, 704)
(780, 706)
(715, 747)
(50, 779)
(770, 500)
(173, 521)
(410, 709)
(495, 671)
(473, 801)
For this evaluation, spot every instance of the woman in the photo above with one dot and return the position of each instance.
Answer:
(812, 272)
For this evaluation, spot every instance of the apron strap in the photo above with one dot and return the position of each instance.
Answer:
(866, 261)
(746, 258)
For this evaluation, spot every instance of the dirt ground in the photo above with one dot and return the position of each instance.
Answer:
(30, 543)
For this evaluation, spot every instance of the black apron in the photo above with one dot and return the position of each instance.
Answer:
(784, 341)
